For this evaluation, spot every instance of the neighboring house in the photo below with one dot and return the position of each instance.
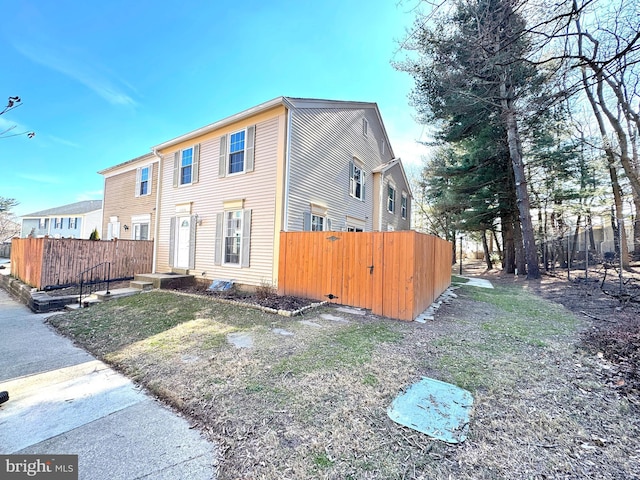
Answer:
(130, 195)
(227, 190)
(76, 220)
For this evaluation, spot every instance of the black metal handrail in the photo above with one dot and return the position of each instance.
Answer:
(95, 276)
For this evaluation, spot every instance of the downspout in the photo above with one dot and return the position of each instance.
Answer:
(287, 159)
(104, 195)
(156, 227)
(381, 205)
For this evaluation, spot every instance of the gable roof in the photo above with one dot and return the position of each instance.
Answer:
(389, 165)
(77, 208)
(288, 102)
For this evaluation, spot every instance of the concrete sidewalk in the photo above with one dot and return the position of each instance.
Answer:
(64, 401)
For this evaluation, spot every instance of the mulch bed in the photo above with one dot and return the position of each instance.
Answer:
(262, 297)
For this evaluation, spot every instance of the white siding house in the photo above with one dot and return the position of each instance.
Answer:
(227, 190)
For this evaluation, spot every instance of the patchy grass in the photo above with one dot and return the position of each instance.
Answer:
(313, 404)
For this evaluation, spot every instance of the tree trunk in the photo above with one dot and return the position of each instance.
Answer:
(508, 250)
(611, 161)
(487, 252)
(521, 265)
(522, 194)
(574, 243)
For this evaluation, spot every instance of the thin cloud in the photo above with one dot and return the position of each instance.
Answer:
(62, 141)
(90, 195)
(63, 61)
(47, 179)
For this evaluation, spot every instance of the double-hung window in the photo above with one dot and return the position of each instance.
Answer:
(236, 152)
(73, 222)
(391, 199)
(143, 189)
(356, 181)
(403, 206)
(186, 166)
(232, 237)
(317, 223)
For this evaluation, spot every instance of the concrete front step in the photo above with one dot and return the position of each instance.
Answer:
(141, 285)
(116, 293)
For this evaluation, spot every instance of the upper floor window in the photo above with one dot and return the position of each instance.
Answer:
(356, 181)
(186, 166)
(143, 187)
(403, 205)
(58, 223)
(391, 199)
(73, 222)
(236, 152)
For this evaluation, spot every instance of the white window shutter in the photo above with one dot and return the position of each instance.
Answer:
(138, 175)
(172, 241)
(306, 221)
(149, 180)
(245, 248)
(363, 179)
(222, 158)
(329, 225)
(250, 149)
(352, 189)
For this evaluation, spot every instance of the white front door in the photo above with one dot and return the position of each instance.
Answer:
(182, 245)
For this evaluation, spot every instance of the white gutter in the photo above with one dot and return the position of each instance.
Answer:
(156, 227)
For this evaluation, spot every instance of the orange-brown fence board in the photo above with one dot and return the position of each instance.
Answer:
(394, 274)
(42, 262)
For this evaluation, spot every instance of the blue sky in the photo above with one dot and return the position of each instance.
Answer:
(102, 82)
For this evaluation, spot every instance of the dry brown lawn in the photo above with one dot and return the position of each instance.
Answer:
(309, 398)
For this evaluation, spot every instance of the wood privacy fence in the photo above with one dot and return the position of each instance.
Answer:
(394, 274)
(50, 262)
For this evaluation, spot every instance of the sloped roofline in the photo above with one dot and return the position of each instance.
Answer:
(389, 165)
(133, 160)
(77, 208)
(288, 102)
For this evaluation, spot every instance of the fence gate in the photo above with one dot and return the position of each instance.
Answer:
(395, 274)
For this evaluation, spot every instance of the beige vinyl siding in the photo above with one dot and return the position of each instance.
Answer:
(257, 188)
(120, 200)
(394, 174)
(323, 141)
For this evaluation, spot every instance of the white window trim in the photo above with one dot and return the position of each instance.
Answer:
(324, 222)
(404, 205)
(149, 167)
(395, 197)
(224, 239)
(244, 154)
(180, 167)
(352, 182)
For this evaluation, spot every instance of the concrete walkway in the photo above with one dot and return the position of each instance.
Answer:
(64, 401)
